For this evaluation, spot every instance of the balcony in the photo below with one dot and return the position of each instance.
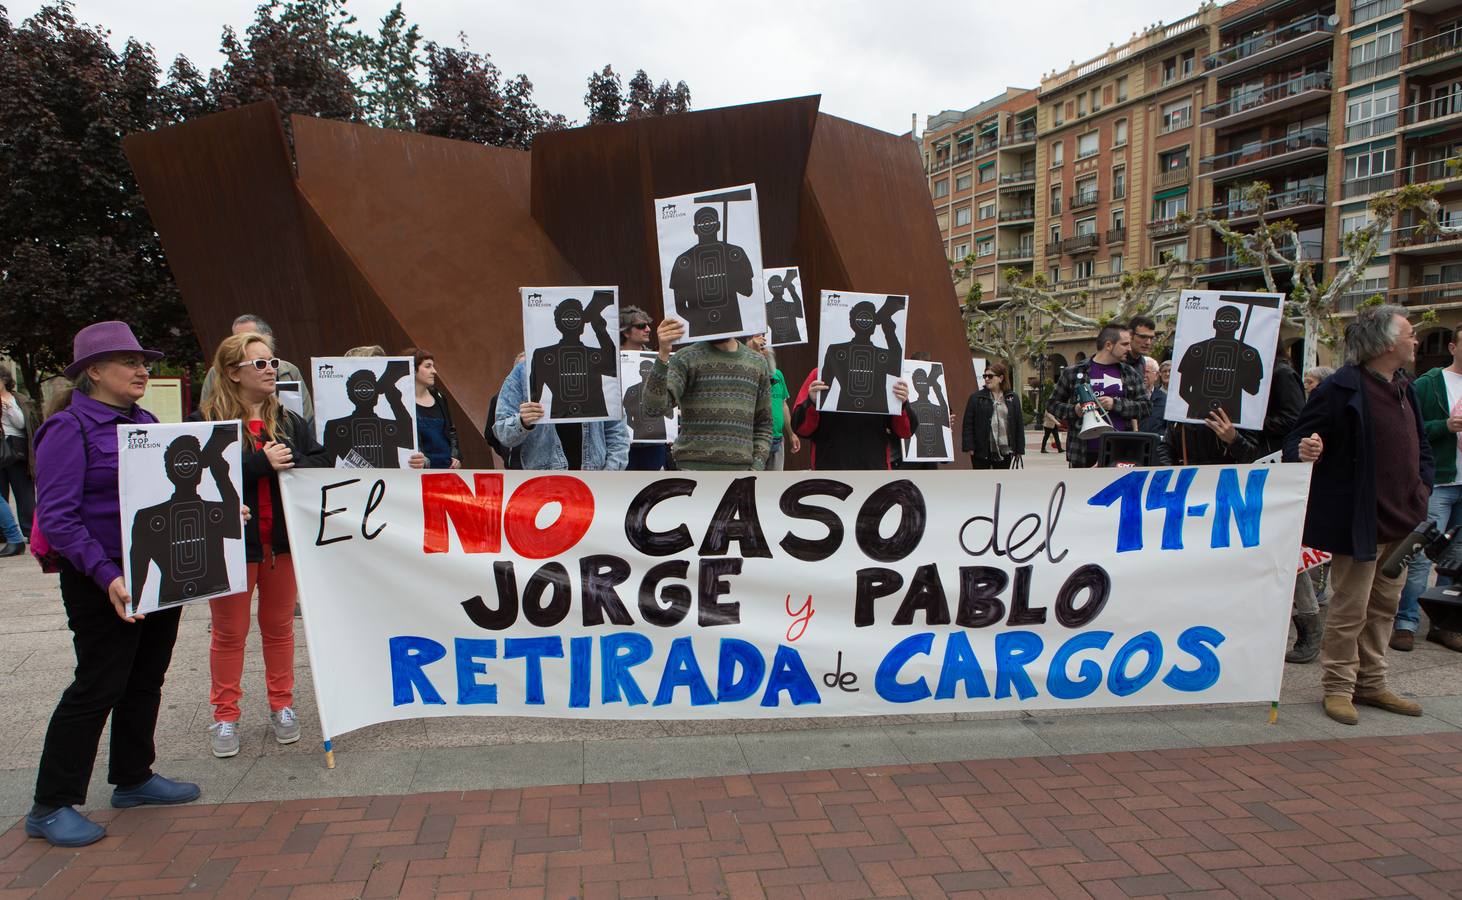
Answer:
(1257, 50)
(1084, 199)
(1426, 294)
(1312, 142)
(1082, 243)
(1437, 111)
(1249, 105)
(1372, 9)
(1016, 138)
(1359, 187)
(1017, 215)
(1433, 53)
(1412, 241)
(1174, 177)
(1117, 235)
(1233, 265)
(1024, 253)
(1300, 200)
(1177, 123)
(1024, 176)
(1430, 7)
(1161, 228)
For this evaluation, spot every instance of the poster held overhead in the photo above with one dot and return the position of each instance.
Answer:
(710, 262)
(1223, 356)
(179, 489)
(361, 418)
(861, 351)
(786, 316)
(573, 361)
(933, 438)
(634, 368)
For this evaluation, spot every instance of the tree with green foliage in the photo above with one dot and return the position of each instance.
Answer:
(641, 98)
(603, 99)
(392, 88)
(467, 98)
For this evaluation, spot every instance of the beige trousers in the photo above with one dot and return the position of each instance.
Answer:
(1358, 626)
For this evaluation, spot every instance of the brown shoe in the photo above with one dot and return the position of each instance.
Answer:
(1339, 708)
(1402, 640)
(1452, 640)
(1390, 703)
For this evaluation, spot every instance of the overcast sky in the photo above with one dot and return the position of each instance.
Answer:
(874, 61)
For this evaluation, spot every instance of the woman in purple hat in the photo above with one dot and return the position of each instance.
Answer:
(120, 659)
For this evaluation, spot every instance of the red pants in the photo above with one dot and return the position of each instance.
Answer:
(275, 579)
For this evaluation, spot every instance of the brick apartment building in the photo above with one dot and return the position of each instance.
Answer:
(1327, 101)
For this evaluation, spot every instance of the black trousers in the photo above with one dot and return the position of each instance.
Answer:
(119, 672)
(15, 479)
(1053, 435)
(996, 463)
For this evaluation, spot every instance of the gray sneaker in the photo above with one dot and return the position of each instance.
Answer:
(224, 737)
(286, 725)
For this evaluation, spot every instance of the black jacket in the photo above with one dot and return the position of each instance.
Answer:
(1286, 399)
(1341, 515)
(979, 438)
(308, 454)
(450, 429)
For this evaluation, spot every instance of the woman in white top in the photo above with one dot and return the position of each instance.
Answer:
(18, 420)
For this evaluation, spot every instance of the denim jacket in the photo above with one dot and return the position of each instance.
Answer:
(606, 444)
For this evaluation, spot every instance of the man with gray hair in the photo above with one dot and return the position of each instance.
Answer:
(1362, 429)
(288, 371)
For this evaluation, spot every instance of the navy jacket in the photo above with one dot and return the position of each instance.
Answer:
(1341, 515)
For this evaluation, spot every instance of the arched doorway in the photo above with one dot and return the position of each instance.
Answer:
(1431, 349)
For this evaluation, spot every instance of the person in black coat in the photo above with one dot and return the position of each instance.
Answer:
(994, 443)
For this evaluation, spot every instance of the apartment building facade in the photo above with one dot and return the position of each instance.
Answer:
(1329, 102)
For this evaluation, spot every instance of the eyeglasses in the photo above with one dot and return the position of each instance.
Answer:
(643, 325)
(260, 364)
(989, 375)
(134, 363)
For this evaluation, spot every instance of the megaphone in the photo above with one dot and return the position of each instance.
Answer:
(1094, 419)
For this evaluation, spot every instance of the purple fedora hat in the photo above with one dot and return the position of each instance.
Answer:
(103, 339)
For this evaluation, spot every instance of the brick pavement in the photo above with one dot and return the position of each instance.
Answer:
(1337, 818)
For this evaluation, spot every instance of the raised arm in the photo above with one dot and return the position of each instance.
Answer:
(890, 331)
(790, 284)
(221, 439)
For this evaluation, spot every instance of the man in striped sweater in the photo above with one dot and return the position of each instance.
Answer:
(723, 391)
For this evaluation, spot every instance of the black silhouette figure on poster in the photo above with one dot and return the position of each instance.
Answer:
(643, 427)
(710, 279)
(1215, 373)
(572, 371)
(366, 439)
(930, 414)
(861, 368)
(784, 313)
(184, 534)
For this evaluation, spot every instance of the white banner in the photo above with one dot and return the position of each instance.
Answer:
(182, 530)
(727, 595)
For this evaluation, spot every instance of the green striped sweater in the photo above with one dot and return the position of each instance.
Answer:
(725, 403)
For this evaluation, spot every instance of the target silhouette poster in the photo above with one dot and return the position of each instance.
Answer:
(860, 351)
(365, 410)
(710, 262)
(572, 355)
(179, 488)
(634, 368)
(1223, 356)
(786, 314)
(933, 438)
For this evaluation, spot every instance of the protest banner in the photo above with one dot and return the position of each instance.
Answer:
(361, 418)
(786, 316)
(933, 438)
(735, 595)
(573, 360)
(860, 351)
(1223, 356)
(634, 368)
(182, 532)
(710, 262)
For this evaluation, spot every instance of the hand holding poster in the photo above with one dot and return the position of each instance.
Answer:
(861, 350)
(179, 487)
(1223, 356)
(573, 361)
(786, 316)
(933, 438)
(634, 368)
(710, 262)
(361, 417)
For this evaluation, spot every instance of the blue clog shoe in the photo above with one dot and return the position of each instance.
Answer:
(156, 791)
(65, 828)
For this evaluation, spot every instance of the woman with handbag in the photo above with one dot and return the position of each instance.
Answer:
(121, 659)
(994, 427)
(18, 420)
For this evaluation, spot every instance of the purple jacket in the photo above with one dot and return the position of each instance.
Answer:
(76, 485)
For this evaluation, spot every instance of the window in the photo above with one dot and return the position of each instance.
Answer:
(1119, 182)
(1053, 274)
(1372, 58)
(1173, 159)
(1058, 153)
(987, 173)
(1121, 88)
(1055, 209)
(961, 216)
(987, 210)
(1371, 164)
(1086, 191)
(1086, 226)
(1096, 99)
(1057, 116)
(1119, 218)
(941, 188)
(1178, 251)
(1170, 70)
(1371, 114)
(1175, 115)
(1080, 105)
(1087, 145)
(942, 220)
(960, 252)
(1119, 133)
(1116, 264)
(1085, 268)
(1186, 62)
(985, 247)
(1167, 208)
(1055, 236)
(962, 182)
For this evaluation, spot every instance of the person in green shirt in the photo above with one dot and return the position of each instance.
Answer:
(781, 412)
(723, 391)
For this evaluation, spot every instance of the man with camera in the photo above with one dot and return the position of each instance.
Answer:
(1362, 428)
